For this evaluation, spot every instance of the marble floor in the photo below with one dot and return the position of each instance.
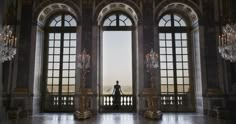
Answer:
(120, 118)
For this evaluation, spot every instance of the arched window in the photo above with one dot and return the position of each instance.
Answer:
(60, 63)
(116, 52)
(174, 59)
(117, 20)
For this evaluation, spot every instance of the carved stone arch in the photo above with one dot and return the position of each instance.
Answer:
(188, 7)
(107, 6)
(47, 8)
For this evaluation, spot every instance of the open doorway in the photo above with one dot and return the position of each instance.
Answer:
(116, 62)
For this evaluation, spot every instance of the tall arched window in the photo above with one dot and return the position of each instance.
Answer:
(116, 52)
(60, 63)
(174, 61)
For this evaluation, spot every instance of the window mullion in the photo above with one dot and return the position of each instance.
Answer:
(174, 59)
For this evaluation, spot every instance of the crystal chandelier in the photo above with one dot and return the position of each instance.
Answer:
(7, 44)
(227, 43)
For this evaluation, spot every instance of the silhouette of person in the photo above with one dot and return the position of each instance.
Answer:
(117, 95)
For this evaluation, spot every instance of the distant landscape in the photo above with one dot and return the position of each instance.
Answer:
(127, 90)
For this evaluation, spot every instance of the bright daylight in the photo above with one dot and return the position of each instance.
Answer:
(117, 61)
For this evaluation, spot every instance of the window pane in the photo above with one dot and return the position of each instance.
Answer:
(179, 66)
(170, 65)
(170, 73)
(170, 80)
(50, 58)
(106, 22)
(178, 58)
(162, 57)
(168, 24)
(73, 36)
(177, 18)
(49, 65)
(169, 43)
(65, 66)
(72, 51)
(57, 36)
(51, 43)
(184, 35)
(184, 43)
(171, 88)
(65, 58)
(162, 44)
(56, 66)
(72, 58)
(179, 73)
(66, 51)
(162, 23)
(178, 51)
(163, 65)
(57, 51)
(162, 36)
(185, 51)
(162, 51)
(176, 24)
(72, 73)
(65, 81)
(66, 36)
(163, 73)
(182, 23)
(72, 43)
(178, 43)
(168, 36)
(179, 80)
(55, 73)
(166, 17)
(66, 43)
(185, 57)
(186, 73)
(57, 43)
(65, 73)
(163, 81)
(50, 51)
(73, 23)
(186, 80)
(72, 81)
(72, 65)
(185, 65)
(177, 35)
(169, 58)
(55, 80)
(169, 51)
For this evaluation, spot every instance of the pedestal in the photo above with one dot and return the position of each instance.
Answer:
(152, 110)
(83, 112)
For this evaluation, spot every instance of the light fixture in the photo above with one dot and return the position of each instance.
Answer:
(83, 65)
(151, 64)
(227, 42)
(7, 43)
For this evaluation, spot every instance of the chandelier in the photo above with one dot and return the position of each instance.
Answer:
(7, 44)
(227, 43)
(83, 65)
(151, 64)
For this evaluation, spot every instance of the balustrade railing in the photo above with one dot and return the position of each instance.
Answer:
(126, 103)
(64, 102)
(180, 102)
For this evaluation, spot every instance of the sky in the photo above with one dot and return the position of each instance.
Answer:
(117, 58)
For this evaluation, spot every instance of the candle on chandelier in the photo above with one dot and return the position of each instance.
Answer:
(219, 41)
